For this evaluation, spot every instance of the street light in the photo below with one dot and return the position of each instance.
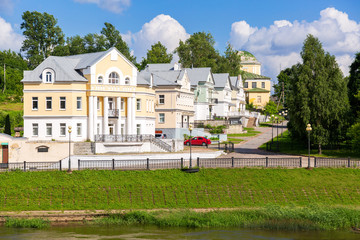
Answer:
(272, 128)
(282, 123)
(190, 129)
(277, 132)
(69, 130)
(308, 129)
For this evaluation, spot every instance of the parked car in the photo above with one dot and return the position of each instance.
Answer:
(198, 141)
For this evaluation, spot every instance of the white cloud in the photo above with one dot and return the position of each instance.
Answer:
(116, 6)
(8, 38)
(162, 28)
(281, 43)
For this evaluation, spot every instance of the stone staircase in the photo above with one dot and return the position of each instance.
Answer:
(84, 148)
(251, 122)
(162, 145)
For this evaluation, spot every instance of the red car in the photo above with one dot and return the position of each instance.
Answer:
(198, 141)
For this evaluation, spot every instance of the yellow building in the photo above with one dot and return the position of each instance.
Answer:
(249, 63)
(95, 93)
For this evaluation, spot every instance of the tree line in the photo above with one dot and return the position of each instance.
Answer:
(316, 93)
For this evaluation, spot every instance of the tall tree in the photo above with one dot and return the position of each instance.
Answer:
(284, 79)
(157, 54)
(198, 51)
(230, 62)
(7, 128)
(318, 96)
(354, 88)
(42, 35)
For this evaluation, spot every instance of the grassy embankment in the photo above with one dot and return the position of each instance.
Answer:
(237, 137)
(288, 146)
(267, 198)
(15, 111)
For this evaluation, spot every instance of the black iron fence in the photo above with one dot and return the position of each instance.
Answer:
(152, 164)
(227, 147)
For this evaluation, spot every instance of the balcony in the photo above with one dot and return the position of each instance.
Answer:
(113, 113)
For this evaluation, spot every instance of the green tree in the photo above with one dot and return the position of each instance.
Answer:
(284, 79)
(354, 88)
(157, 54)
(7, 129)
(42, 35)
(318, 96)
(198, 51)
(270, 108)
(230, 62)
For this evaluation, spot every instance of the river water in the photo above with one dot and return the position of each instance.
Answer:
(69, 232)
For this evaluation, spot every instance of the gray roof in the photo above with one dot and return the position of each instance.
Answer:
(143, 78)
(88, 59)
(233, 81)
(197, 75)
(164, 78)
(221, 79)
(158, 67)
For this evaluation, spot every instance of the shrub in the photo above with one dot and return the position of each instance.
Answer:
(354, 134)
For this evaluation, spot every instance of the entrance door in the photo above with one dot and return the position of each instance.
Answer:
(5, 154)
(111, 129)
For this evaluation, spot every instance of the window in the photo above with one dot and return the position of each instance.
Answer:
(48, 129)
(138, 129)
(138, 104)
(122, 103)
(98, 103)
(122, 129)
(161, 117)
(113, 78)
(127, 81)
(35, 104)
(263, 84)
(258, 99)
(246, 85)
(78, 129)
(62, 103)
(35, 129)
(48, 77)
(43, 149)
(161, 99)
(253, 84)
(48, 103)
(62, 129)
(100, 79)
(78, 103)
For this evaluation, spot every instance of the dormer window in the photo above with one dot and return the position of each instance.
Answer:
(48, 77)
(100, 80)
(127, 81)
(113, 78)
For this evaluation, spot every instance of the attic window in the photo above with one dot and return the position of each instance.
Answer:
(43, 148)
(48, 77)
(127, 81)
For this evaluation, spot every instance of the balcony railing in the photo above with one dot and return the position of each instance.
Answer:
(113, 112)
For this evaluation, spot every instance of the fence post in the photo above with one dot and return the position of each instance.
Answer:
(60, 167)
(113, 164)
(348, 161)
(219, 144)
(79, 164)
(267, 162)
(267, 146)
(198, 161)
(182, 162)
(315, 162)
(225, 147)
(300, 162)
(24, 166)
(147, 164)
(232, 161)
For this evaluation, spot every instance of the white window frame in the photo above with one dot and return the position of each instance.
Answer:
(35, 126)
(48, 127)
(78, 103)
(48, 99)
(138, 104)
(100, 80)
(62, 128)
(161, 117)
(79, 129)
(161, 99)
(62, 100)
(114, 78)
(48, 77)
(35, 100)
(127, 81)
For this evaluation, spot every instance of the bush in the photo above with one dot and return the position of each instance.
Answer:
(354, 135)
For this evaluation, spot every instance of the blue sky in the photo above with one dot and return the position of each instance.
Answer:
(272, 30)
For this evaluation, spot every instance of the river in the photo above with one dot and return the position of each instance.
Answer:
(69, 232)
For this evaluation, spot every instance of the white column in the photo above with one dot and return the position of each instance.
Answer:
(133, 112)
(94, 130)
(91, 119)
(128, 116)
(118, 125)
(106, 116)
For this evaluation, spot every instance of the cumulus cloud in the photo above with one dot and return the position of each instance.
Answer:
(280, 44)
(162, 28)
(116, 6)
(8, 38)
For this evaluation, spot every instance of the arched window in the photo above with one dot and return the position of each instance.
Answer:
(100, 79)
(127, 80)
(48, 77)
(113, 78)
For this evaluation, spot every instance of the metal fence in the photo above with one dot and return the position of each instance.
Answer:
(152, 164)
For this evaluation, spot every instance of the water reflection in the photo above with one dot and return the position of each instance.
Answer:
(148, 232)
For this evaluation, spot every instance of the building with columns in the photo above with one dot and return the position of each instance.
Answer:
(95, 93)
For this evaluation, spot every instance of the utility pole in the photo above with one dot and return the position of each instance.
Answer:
(4, 79)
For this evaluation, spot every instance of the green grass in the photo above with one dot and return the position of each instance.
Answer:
(234, 140)
(269, 217)
(209, 188)
(7, 106)
(250, 132)
(26, 223)
(286, 145)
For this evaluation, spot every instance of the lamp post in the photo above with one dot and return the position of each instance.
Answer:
(272, 128)
(282, 123)
(308, 129)
(277, 132)
(69, 130)
(190, 129)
